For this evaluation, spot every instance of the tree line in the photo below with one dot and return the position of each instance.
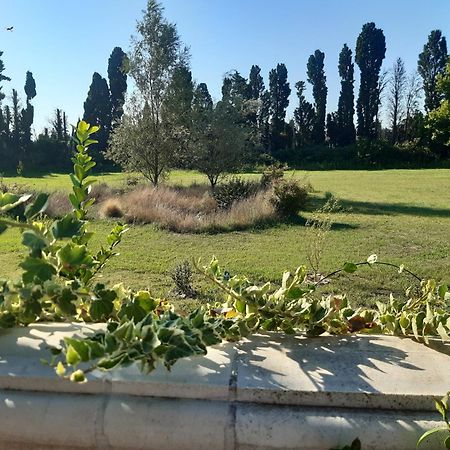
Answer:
(171, 121)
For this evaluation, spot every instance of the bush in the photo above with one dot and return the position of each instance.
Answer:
(234, 190)
(111, 208)
(272, 174)
(181, 275)
(290, 197)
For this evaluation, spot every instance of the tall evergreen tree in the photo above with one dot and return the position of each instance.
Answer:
(304, 116)
(279, 91)
(177, 106)
(16, 128)
(117, 76)
(316, 76)
(255, 83)
(2, 77)
(256, 90)
(97, 110)
(345, 132)
(27, 118)
(431, 63)
(370, 52)
(202, 102)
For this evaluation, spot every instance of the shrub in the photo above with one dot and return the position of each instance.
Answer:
(272, 174)
(181, 275)
(290, 197)
(234, 190)
(111, 208)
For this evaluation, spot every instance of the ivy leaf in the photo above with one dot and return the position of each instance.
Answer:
(350, 267)
(67, 227)
(101, 308)
(9, 201)
(80, 347)
(72, 356)
(39, 205)
(36, 268)
(74, 255)
(33, 241)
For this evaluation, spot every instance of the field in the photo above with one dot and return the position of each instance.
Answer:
(402, 215)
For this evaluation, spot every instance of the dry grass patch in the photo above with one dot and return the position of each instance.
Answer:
(189, 209)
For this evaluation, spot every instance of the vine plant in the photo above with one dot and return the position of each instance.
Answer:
(59, 283)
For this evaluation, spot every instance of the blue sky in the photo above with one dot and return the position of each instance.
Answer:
(63, 42)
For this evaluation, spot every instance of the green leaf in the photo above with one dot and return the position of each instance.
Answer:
(350, 267)
(3, 227)
(68, 227)
(100, 309)
(33, 241)
(36, 268)
(447, 442)
(38, 206)
(74, 255)
(9, 201)
(429, 433)
(72, 356)
(81, 348)
(60, 369)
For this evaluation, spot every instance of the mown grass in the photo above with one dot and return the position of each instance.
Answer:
(402, 215)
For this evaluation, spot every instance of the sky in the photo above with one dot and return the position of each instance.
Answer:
(63, 42)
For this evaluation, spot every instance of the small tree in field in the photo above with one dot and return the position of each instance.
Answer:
(147, 137)
(141, 145)
(219, 142)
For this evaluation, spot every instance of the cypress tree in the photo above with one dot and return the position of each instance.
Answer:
(279, 92)
(370, 52)
(117, 76)
(431, 64)
(97, 110)
(316, 76)
(345, 132)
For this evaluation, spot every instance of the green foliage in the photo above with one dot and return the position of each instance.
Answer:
(370, 52)
(117, 75)
(279, 92)
(290, 197)
(431, 63)
(58, 272)
(181, 276)
(98, 110)
(346, 128)
(316, 76)
(234, 190)
(442, 405)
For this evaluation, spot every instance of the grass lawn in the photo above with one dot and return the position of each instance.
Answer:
(402, 215)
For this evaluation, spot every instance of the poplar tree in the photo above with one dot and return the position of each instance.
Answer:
(431, 64)
(316, 76)
(279, 92)
(370, 52)
(345, 132)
